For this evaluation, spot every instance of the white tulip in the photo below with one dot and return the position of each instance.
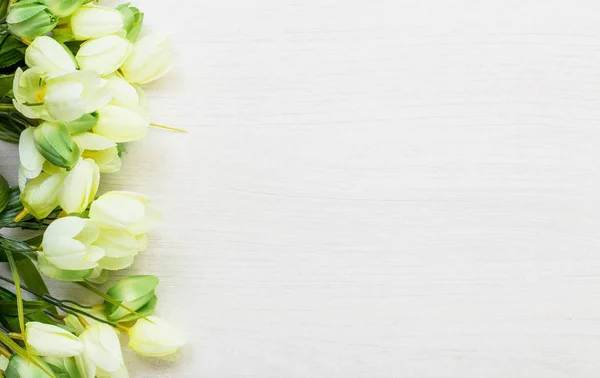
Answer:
(120, 248)
(108, 160)
(155, 338)
(103, 55)
(91, 21)
(122, 92)
(80, 187)
(50, 56)
(51, 341)
(70, 96)
(67, 244)
(101, 351)
(121, 124)
(150, 59)
(125, 211)
(40, 196)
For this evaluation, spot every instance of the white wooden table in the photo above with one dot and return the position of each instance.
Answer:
(375, 189)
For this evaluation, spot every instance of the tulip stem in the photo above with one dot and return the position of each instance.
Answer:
(5, 352)
(16, 336)
(168, 128)
(21, 216)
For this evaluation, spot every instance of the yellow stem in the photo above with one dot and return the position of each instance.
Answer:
(21, 216)
(16, 336)
(98, 307)
(83, 322)
(123, 328)
(5, 352)
(168, 128)
(62, 214)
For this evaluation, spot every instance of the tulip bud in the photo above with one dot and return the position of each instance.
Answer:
(55, 144)
(108, 160)
(82, 124)
(132, 20)
(101, 350)
(19, 367)
(133, 292)
(80, 187)
(120, 249)
(122, 92)
(49, 56)
(40, 196)
(68, 244)
(125, 211)
(103, 55)
(155, 338)
(150, 59)
(91, 21)
(121, 124)
(29, 19)
(63, 8)
(4, 193)
(51, 341)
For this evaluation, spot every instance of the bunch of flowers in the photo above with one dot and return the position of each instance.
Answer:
(70, 96)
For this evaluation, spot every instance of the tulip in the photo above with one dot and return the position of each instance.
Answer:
(68, 244)
(120, 249)
(63, 8)
(55, 144)
(30, 159)
(79, 187)
(29, 19)
(103, 55)
(29, 87)
(125, 211)
(132, 20)
(150, 59)
(154, 337)
(121, 124)
(122, 92)
(135, 293)
(40, 195)
(69, 96)
(49, 56)
(108, 160)
(63, 97)
(20, 367)
(91, 21)
(51, 341)
(93, 142)
(101, 351)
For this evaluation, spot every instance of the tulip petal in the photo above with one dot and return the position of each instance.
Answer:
(30, 158)
(93, 142)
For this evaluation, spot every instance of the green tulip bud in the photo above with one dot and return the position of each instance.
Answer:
(83, 124)
(19, 367)
(132, 20)
(4, 193)
(29, 19)
(55, 144)
(136, 293)
(63, 8)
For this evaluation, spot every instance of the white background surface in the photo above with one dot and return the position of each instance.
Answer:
(375, 189)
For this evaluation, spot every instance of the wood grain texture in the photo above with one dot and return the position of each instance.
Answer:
(375, 189)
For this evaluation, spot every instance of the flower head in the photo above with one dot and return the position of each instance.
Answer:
(153, 337)
(51, 341)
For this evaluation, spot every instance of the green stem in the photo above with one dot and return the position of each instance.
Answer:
(17, 283)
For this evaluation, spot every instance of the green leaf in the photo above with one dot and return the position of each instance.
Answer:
(4, 193)
(6, 84)
(32, 278)
(9, 308)
(4, 7)
(11, 51)
(21, 367)
(17, 279)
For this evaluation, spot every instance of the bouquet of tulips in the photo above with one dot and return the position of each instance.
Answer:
(70, 96)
